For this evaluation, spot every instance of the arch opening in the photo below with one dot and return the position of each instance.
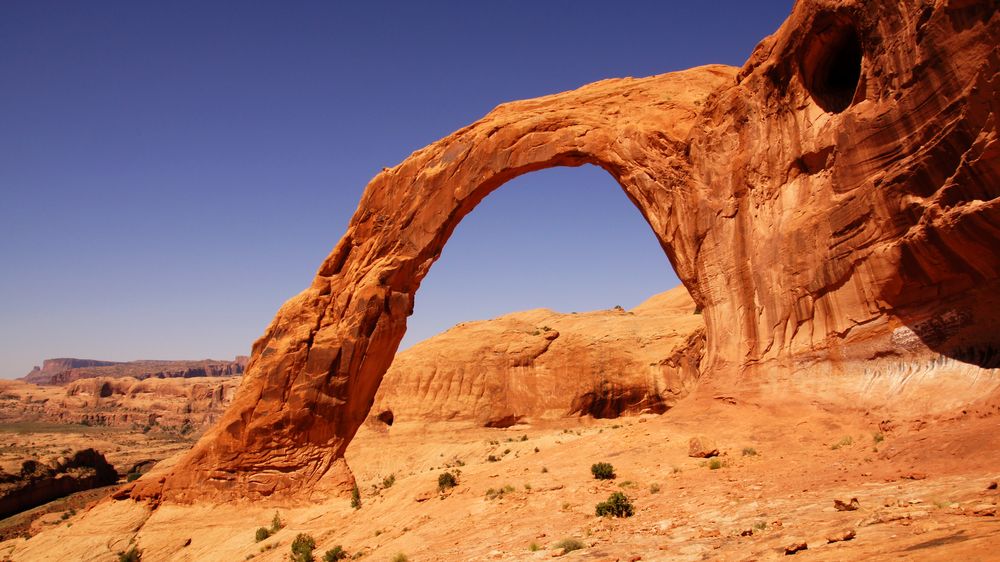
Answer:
(830, 64)
(553, 239)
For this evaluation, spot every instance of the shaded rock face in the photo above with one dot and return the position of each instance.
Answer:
(65, 371)
(833, 201)
(541, 364)
(42, 482)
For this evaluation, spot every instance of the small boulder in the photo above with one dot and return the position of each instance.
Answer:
(795, 546)
(702, 448)
(852, 505)
(841, 536)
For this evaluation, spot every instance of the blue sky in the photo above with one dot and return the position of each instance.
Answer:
(171, 172)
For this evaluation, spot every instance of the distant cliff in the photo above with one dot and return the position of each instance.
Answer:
(66, 370)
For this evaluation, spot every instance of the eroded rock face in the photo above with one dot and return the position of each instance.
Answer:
(42, 482)
(541, 364)
(183, 405)
(833, 201)
(67, 370)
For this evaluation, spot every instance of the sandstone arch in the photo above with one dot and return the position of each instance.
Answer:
(810, 231)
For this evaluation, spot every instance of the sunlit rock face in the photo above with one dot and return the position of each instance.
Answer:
(832, 204)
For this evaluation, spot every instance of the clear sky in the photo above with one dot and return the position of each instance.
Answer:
(171, 172)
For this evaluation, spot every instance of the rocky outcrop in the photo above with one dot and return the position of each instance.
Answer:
(65, 371)
(835, 200)
(542, 364)
(181, 405)
(42, 482)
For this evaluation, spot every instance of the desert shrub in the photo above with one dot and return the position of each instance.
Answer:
(654, 488)
(749, 452)
(388, 481)
(262, 534)
(533, 547)
(846, 441)
(400, 557)
(603, 471)
(276, 524)
(617, 505)
(569, 545)
(715, 464)
(878, 438)
(446, 480)
(355, 497)
(334, 554)
(130, 555)
(302, 548)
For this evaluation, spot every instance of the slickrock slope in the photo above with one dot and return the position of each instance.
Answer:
(64, 371)
(181, 404)
(542, 364)
(833, 201)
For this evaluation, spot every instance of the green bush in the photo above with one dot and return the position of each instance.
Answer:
(617, 505)
(334, 554)
(356, 497)
(276, 524)
(603, 471)
(715, 464)
(302, 548)
(569, 545)
(130, 555)
(446, 480)
(262, 534)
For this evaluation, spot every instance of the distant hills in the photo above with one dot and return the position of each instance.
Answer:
(64, 370)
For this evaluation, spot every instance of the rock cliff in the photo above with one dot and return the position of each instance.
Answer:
(64, 371)
(832, 202)
(541, 364)
(41, 482)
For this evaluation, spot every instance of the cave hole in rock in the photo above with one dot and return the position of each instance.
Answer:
(386, 417)
(830, 63)
(563, 239)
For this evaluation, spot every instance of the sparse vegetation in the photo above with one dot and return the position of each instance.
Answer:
(603, 471)
(715, 463)
(654, 488)
(533, 547)
(131, 555)
(878, 438)
(617, 505)
(626, 484)
(400, 557)
(569, 545)
(262, 534)
(446, 480)
(388, 481)
(356, 497)
(334, 554)
(749, 452)
(302, 548)
(846, 441)
(495, 494)
(760, 526)
(276, 524)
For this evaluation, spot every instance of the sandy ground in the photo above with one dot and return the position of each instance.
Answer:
(925, 490)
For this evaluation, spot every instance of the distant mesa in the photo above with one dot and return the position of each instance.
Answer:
(65, 370)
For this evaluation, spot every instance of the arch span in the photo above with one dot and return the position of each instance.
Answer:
(817, 239)
(313, 375)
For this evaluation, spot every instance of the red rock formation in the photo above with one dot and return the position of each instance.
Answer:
(542, 364)
(39, 483)
(832, 201)
(64, 371)
(180, 404)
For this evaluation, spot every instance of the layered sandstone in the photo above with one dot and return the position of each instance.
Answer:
(67, 370)
(541, 364)
(182, 405)
(41, 482)
(832, 202)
